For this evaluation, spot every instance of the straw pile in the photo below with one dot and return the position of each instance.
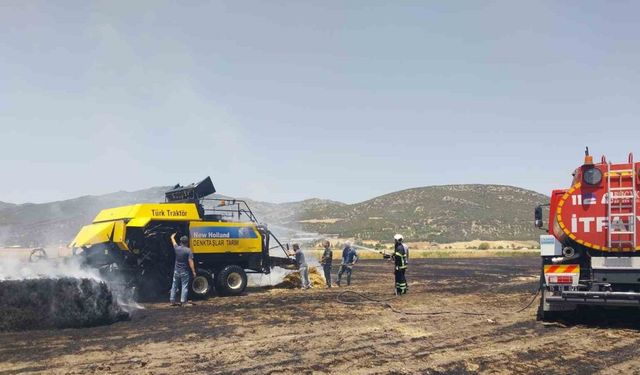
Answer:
(293, 280)
(56, 303)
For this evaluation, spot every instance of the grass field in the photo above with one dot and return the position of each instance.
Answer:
(441, 253)
(424, 250)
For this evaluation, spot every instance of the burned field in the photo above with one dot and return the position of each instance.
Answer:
(290, 331)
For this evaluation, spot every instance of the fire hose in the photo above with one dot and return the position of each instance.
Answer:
(364, 299)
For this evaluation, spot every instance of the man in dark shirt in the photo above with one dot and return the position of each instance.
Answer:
(327, 259)
(184, 262)
(349, 258)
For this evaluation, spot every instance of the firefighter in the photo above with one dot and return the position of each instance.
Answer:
(400, 257)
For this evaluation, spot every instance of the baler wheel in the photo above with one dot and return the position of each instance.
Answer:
(231, 281)
(202, 284)
(37, 255)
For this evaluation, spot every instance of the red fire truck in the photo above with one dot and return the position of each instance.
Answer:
(591, 254)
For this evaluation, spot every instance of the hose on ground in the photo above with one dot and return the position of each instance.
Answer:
(364, 299)
(385, 303)
(535, 297)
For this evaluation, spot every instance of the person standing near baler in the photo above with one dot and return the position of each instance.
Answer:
(349, 259)
(302, 266)
(184, 262)
(327, 259)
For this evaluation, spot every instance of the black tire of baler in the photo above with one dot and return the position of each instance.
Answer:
(207, 275)
(222, 287)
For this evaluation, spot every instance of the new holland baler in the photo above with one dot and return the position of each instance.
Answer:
(131, 244)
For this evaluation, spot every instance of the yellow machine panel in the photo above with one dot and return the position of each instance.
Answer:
(152, 211)
(138, 222)
(119, 233)
(89, 235)
(221, 237)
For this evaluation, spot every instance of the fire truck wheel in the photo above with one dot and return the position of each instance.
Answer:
(202, 284)
(547, 316)
(544, 316)
(231, 281)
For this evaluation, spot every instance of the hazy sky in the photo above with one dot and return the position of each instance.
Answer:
(286, 100)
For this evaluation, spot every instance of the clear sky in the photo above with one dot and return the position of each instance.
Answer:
(286, 100)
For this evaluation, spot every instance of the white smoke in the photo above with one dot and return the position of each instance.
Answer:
(278, 274)
(274, 278)
(314, 262)
(13, 268)
(17, 268)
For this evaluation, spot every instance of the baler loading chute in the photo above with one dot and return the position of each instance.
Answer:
(190, 193)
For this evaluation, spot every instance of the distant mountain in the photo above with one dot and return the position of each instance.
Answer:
(57, 223)
(292, 212)
(438, 213)
(4, 205)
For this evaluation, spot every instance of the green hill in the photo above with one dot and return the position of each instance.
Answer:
(438, 213)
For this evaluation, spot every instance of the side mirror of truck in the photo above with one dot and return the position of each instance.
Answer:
(538, 217)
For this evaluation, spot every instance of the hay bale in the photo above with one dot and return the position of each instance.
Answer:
(293, 280)
(56, 303)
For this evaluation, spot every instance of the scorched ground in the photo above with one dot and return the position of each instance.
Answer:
(295, 331)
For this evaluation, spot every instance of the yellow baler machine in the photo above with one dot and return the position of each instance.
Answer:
(134, 241)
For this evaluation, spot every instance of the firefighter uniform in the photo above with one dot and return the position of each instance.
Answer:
(400, 257)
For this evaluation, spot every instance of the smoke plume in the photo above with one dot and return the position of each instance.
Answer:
(57, 293)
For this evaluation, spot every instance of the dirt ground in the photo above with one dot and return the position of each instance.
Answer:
(295, 331)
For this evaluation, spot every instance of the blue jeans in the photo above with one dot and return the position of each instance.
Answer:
(180, 279)
(304, 276)
(344, 268)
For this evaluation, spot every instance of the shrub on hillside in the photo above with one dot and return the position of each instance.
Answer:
(484, 246)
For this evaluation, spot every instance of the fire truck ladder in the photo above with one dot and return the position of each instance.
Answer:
(622, 207)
